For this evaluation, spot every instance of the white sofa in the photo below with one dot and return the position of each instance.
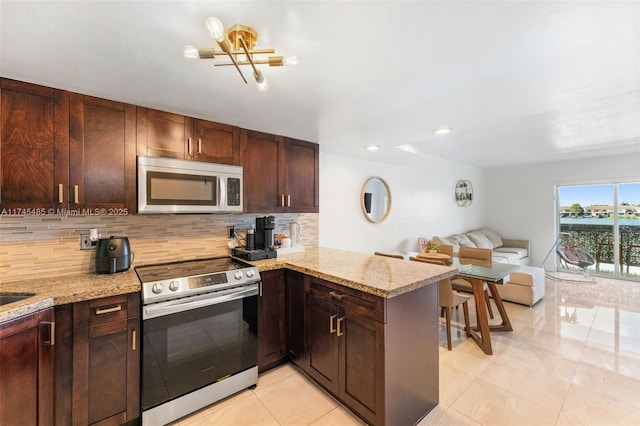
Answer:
(504, 250)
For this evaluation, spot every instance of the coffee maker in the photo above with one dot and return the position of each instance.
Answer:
(264, 232)
(262, 241)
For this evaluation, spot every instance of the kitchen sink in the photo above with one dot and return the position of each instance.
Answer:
(6, 298)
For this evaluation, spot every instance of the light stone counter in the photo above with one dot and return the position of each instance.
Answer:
(378, 275)
(381, 276)
(65, 289)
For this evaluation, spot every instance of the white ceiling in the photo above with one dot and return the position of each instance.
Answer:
(517, 81)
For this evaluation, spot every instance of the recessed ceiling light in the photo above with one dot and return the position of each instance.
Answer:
(372, 147)
(442, 131)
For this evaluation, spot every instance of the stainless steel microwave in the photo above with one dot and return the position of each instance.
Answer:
(167, 185)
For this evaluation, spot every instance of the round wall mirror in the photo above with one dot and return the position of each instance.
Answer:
(375, 199)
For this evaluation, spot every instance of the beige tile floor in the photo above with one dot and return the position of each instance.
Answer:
(573, 359)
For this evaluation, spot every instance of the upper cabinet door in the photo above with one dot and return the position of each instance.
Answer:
(102, 171)
(163, 134)
(261, 163)
(301, 176)
(34, 146)
(215, 143)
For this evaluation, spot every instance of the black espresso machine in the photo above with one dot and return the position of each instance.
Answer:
(262, 247)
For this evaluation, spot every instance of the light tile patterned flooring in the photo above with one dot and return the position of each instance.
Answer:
(573, 359)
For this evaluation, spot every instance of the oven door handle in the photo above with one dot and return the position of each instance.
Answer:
(181, 305)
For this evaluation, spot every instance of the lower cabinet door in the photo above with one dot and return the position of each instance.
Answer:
(295, 292)
(323, 343)
(272, 338)
(26, 370)
(363, 365)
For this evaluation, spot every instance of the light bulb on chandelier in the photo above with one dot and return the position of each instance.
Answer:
(237, 43)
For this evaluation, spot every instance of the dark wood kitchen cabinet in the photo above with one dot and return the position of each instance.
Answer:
(102, 153)
(345, 331)
(272, 339)
(301, 176)
(295, 305)
(34, 146)
(27, 370)
(99, 361)
(281, 175)
(164, 134)
(215, 143)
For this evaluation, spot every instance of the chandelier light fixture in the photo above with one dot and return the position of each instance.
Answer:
(237, 43)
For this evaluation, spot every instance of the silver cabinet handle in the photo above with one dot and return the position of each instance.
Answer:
(189, 146)
(133, 340)
(332, 329)
(60, 193)
(339, 332)
(75, 194)
(289, 200)
(199, 146)
(282, 200)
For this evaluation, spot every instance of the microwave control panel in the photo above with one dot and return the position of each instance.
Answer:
(233, 191)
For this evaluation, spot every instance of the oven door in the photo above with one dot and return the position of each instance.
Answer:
(193, 342)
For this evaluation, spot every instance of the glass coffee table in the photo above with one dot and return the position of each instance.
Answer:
(477, 276)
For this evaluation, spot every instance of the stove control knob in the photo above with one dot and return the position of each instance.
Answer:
(174, 285)
(237, 275)
(157, 288)
(250, 273)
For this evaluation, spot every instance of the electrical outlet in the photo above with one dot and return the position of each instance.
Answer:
(86, 243)
(232, 232)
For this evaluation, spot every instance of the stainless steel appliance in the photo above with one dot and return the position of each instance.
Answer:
(113, 255)
(200, 335)
(168, 185)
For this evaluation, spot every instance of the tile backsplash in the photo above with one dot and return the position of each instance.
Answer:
(34, 247)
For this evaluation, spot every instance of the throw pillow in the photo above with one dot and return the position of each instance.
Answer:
(448, 242)
(493, 237)
(480, 240)
(462, 240)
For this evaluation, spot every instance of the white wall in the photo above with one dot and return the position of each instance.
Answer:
(520, 199)
(422, 203)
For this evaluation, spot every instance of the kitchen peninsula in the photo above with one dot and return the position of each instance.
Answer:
(364, 327)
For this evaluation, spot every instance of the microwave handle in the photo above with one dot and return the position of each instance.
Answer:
(222, 187)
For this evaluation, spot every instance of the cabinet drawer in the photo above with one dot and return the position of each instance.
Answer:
(363, 304)
(101, 311)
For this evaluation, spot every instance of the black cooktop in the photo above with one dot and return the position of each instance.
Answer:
(188, 268)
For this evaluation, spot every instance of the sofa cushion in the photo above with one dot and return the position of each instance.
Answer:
(462, 240)
(526, 276)
(493, 237)
(480, 240)
(503, 257)
(521, 252)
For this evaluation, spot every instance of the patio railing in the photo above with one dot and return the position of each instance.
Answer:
(597, 240)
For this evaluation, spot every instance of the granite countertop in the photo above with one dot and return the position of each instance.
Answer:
(378, 275)
(381, 276)
(65, 289)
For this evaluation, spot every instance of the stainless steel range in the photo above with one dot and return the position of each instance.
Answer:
(200, 335)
